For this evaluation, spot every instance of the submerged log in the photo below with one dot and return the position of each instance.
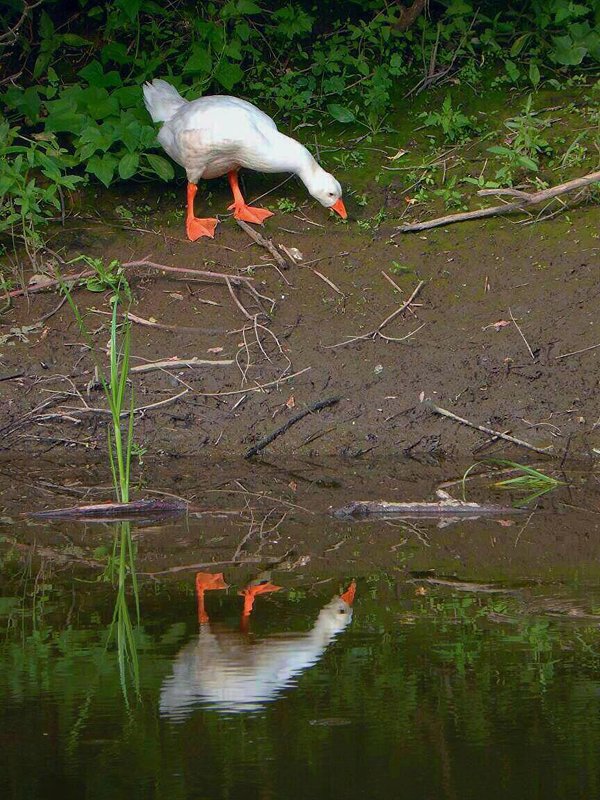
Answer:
(446, 506)
(115, 512)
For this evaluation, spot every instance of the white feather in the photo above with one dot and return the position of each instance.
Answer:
(213, 135)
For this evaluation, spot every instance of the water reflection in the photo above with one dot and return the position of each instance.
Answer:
(230, 671)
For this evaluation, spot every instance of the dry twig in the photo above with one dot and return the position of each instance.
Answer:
(490, 431)
(376, 332)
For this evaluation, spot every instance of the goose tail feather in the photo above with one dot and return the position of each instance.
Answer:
(162, 100)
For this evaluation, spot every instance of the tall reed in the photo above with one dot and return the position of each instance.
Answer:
(121, 565)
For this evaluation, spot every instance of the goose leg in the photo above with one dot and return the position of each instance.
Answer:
(195, 226)
(249, 594)
(206, 581)
(240, 209)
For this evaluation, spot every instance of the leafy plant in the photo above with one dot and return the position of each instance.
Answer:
(525, 141)
(530, 481)
(451, 121)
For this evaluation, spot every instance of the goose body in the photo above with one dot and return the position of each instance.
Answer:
(217, 135)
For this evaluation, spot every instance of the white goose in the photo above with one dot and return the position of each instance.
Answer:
(214, 136)
(226, 671)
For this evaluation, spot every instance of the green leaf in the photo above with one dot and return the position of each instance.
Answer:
(200, 60)
(103, 167)
(519, 44)
(65, 122)
(228, 74)
(340, 113)
(75, 41)
(130, 7)
(565, 52)
(128, 165)
(115, 51)
(94, 74)
(162, 167)
(97, 103)
(534, 74)
(46, 26)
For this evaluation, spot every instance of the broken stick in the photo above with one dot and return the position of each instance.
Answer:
(524, 199)
(266, 440)
(180, 363)
(266, 243)
(490, 431)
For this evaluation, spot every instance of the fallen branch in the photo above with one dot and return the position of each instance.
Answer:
(523, 201)
(266, 243)
(114, 511)
(266, 440)
(180, 363)
(490, 431)
(445, 506)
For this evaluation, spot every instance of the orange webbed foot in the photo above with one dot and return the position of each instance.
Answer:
(250, 213)
(196, 227)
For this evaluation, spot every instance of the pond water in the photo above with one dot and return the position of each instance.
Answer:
(409, 687)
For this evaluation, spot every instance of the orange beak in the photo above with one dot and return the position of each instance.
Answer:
(340, 208)
(348, 595)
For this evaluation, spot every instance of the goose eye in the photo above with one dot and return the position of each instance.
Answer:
(330, 194)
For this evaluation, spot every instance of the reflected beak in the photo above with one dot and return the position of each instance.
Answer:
(339, 208)
(348, 595)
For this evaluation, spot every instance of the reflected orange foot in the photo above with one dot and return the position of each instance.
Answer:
(250, 213)
(250, 592)
(197, 227)
(206, 581)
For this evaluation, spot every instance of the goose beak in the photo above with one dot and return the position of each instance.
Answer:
(339, 208)
(348, 595)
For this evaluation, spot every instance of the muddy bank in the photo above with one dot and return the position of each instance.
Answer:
(501, 303)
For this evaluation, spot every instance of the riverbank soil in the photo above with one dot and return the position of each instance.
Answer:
(488, 337)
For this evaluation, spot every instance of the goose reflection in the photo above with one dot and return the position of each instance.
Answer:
(228, 671)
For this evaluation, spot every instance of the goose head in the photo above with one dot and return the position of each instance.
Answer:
(327, 190)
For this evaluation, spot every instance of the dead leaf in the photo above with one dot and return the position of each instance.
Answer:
(420, 591)
(292, 485)
(506, 523)
(497, 326)
(397, 155)
(215, 350)
(291, 403)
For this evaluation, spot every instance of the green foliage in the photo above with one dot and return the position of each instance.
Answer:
(525, 142)
(33, 174)
(451, 121)
(73, 111)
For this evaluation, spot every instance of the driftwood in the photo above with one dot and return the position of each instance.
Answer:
(113, 512)
(262, 443)
(446, 506)
(523, 201)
